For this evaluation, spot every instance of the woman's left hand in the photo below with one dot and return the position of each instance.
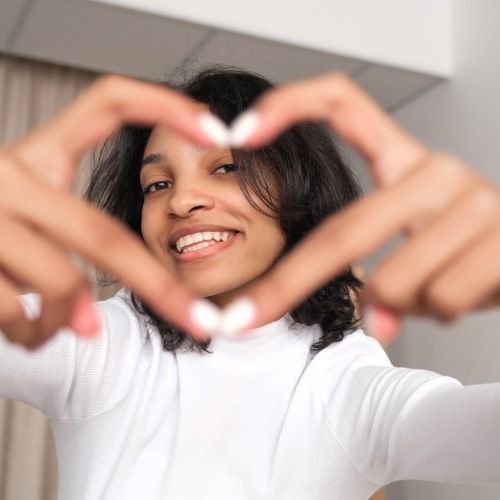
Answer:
(449, 262)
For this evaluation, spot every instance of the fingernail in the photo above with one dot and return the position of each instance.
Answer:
(85, 319)
(237, 316)
(88, 322)
(380, 323)
(242, 128)
(206, 315)
(215, 128)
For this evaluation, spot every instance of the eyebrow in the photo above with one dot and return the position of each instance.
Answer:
(154, 158)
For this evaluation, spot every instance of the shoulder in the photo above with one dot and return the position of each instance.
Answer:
(100, 370)
(355, 348)
(120, 314)
(357, 369)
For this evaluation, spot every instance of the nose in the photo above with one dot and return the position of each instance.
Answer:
(188, 198)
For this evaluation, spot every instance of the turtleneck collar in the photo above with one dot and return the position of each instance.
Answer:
(264, 337)
(270, 337)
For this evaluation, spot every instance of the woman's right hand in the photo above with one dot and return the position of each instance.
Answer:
(40, 218)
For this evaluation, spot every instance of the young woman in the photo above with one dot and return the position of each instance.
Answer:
(304, 406)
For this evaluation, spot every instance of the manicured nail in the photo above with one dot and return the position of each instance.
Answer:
(242, 128)
(85, 319)
(237, 316)
(215, 128)
(381, 324)
(206, 315)
(87, 323)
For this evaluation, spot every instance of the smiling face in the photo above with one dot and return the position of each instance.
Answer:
(187, 185)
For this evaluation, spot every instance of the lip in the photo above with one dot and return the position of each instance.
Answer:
(184, 258)
(196, 228)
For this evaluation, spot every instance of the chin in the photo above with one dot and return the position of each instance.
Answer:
(214, 292)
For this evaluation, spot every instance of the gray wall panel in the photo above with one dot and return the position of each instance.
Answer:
(104, 38)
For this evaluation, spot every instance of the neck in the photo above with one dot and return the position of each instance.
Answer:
(223, 299)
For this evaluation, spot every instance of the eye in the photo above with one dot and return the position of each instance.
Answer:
(146, 190)
(226, 165)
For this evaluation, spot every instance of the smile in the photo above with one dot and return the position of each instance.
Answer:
(208, 248)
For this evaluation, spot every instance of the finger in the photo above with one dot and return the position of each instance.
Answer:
(389, 150)
(96, 113)
(49, 274)
(397, 283)
(351, 234)
(490, 302)
(102, 240)
(382, 323)
(13, 323)
(471, 280)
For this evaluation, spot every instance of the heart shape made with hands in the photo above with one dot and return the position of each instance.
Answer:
(390, 155)
(389, 151)
(419, 193)
(240, 312)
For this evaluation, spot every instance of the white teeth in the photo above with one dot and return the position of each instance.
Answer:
(197, 247)
(190, 239)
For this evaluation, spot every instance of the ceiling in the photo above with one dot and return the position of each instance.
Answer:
(110, 38)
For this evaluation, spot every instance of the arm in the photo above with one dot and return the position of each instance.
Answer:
(400, 423)
(72, 377)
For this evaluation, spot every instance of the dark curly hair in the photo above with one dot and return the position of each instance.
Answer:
(305, 162)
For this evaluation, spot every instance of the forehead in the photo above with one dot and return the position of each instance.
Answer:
(166, 147)
(163, 137)
(162, 134)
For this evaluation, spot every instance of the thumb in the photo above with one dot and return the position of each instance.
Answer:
(84, 317)
(382, 323)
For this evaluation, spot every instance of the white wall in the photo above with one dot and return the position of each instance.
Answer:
(407, 34)
(462, 116)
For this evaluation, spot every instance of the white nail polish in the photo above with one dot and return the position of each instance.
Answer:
(215, 128)
(242, 128)
(206, 315)
(237, 316)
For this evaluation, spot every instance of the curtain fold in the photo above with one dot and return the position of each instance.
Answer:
(30, 93)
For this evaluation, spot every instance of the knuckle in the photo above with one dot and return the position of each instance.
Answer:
(70, 283)
(447, 168)
(5, 169)
(339, 86)
(442, 302)
(484, 200)
(444, 166)
(383, 291)
(109, 90)
(10, 171)
(339, 79)
(108, 84)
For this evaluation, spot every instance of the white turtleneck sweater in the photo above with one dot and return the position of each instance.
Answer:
(260, 418)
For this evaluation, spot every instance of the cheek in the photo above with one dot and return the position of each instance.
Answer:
(148, 228)
(265, 244)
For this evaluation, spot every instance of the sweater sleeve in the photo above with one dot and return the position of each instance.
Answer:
(399, 423)
(71, 377)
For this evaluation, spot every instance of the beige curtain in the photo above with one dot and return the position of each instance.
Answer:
(30, 92)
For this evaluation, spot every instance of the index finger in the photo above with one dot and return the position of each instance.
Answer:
(98, 111)
(105, 242)
(341, 240)
(351, 113)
